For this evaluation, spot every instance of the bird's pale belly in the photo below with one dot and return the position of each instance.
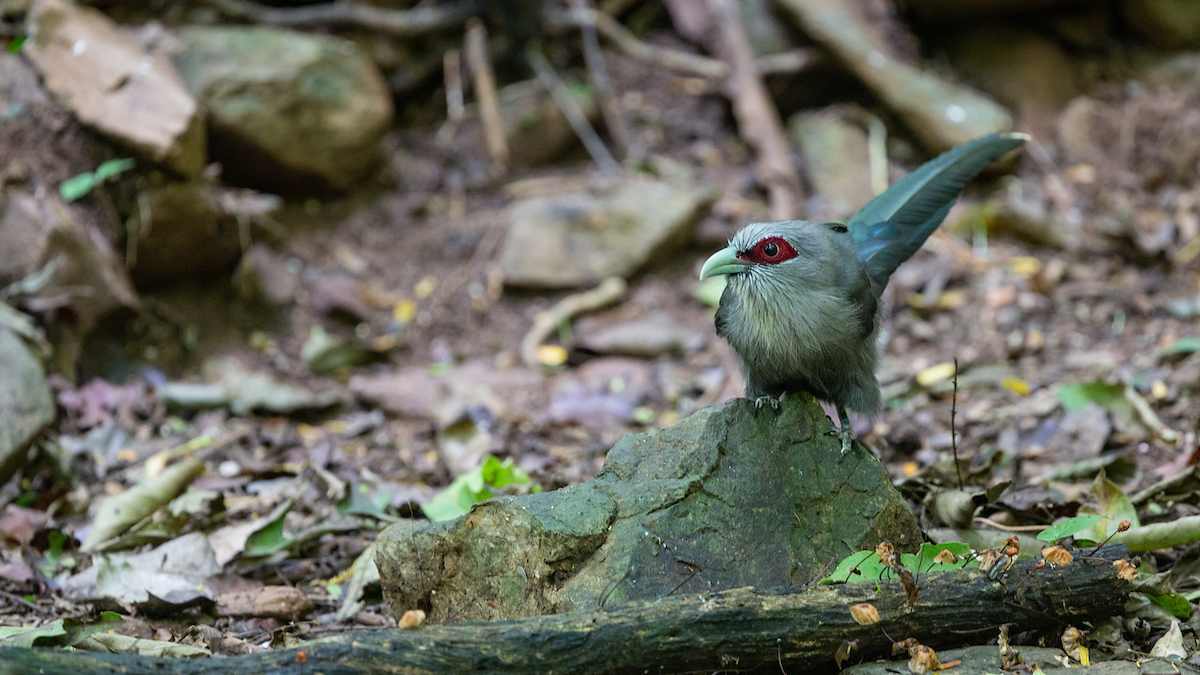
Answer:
(821, 351)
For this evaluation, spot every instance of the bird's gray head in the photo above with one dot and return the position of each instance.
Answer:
(781, 256)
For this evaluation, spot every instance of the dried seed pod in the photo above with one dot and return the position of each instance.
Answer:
(864, 613)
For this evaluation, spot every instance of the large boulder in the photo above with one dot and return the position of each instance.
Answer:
(732, 496)
(114, 85)
(288, 112)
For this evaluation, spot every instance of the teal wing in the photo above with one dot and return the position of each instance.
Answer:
(891, 227)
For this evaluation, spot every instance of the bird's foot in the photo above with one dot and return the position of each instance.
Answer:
(767, 401)
(847, 440)
(847, 436)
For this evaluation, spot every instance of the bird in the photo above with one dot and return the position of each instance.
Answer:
(802, 299)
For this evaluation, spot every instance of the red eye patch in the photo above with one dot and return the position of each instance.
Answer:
(769, 251)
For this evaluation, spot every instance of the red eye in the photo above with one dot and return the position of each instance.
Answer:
(772, 251)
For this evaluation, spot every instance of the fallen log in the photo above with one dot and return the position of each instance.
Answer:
(740, 629)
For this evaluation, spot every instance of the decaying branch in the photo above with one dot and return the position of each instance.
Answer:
(742, 629)
(757, 118)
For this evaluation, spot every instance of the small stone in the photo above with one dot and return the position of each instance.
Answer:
(580, 238)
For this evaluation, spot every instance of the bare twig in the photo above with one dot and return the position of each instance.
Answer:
(452, 76)
(407, 23)
(545, 323)
(485, 92)
(758, 119)
(625, 41)
(571, 110)
(605, 98)
(953, 431)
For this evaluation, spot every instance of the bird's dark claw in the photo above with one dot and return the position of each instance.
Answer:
(762, 401)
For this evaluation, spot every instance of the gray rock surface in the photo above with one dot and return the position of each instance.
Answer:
(288, 111)
(611, 229)
(25, 403)
(730, 497)
(115, 86)
(837, 161)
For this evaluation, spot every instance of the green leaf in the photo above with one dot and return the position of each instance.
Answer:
(17, 43)
(474, 487)
(112, 168)
(1174, 603)
(1078, 395)
(47, 634)
(866, 566)
(1068, 528)
(77, 186)
(922, 562)
(1184, 345)
(1113, 505)
(850, 568)
(268, 540)
(362, 500)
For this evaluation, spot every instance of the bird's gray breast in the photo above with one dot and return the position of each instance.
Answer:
(790, 339)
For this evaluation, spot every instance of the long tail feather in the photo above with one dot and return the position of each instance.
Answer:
(891, 227)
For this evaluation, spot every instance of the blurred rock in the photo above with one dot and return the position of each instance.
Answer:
(1167, 24)
(43, 142)
(26, 407)
(613, 229)
(1022, 68)
(263, 278)
(647, 337)
(186, 234)
(726, 498)
(56, 255)
(837, 161)
(940, 113)
(534, 126)
(288, 112)
(112, 84)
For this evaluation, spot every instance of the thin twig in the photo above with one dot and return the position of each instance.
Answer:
(403, 23)
(485, 92)
(757, 118)
(1008, 528)
(571, 110)
(953, 432)
(632, 47)
(605, 98)
(545, 323)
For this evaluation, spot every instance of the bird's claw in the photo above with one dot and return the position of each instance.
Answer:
(847, 436)
(762, 401)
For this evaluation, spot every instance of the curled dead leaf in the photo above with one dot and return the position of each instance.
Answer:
(945, 557)
(1124, 525)
(412, 618)
(864, 613)
(843, 652)
(1125, 570)
(886, 553)
(1057, 556)
(1072, 640)
(1012, 547)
